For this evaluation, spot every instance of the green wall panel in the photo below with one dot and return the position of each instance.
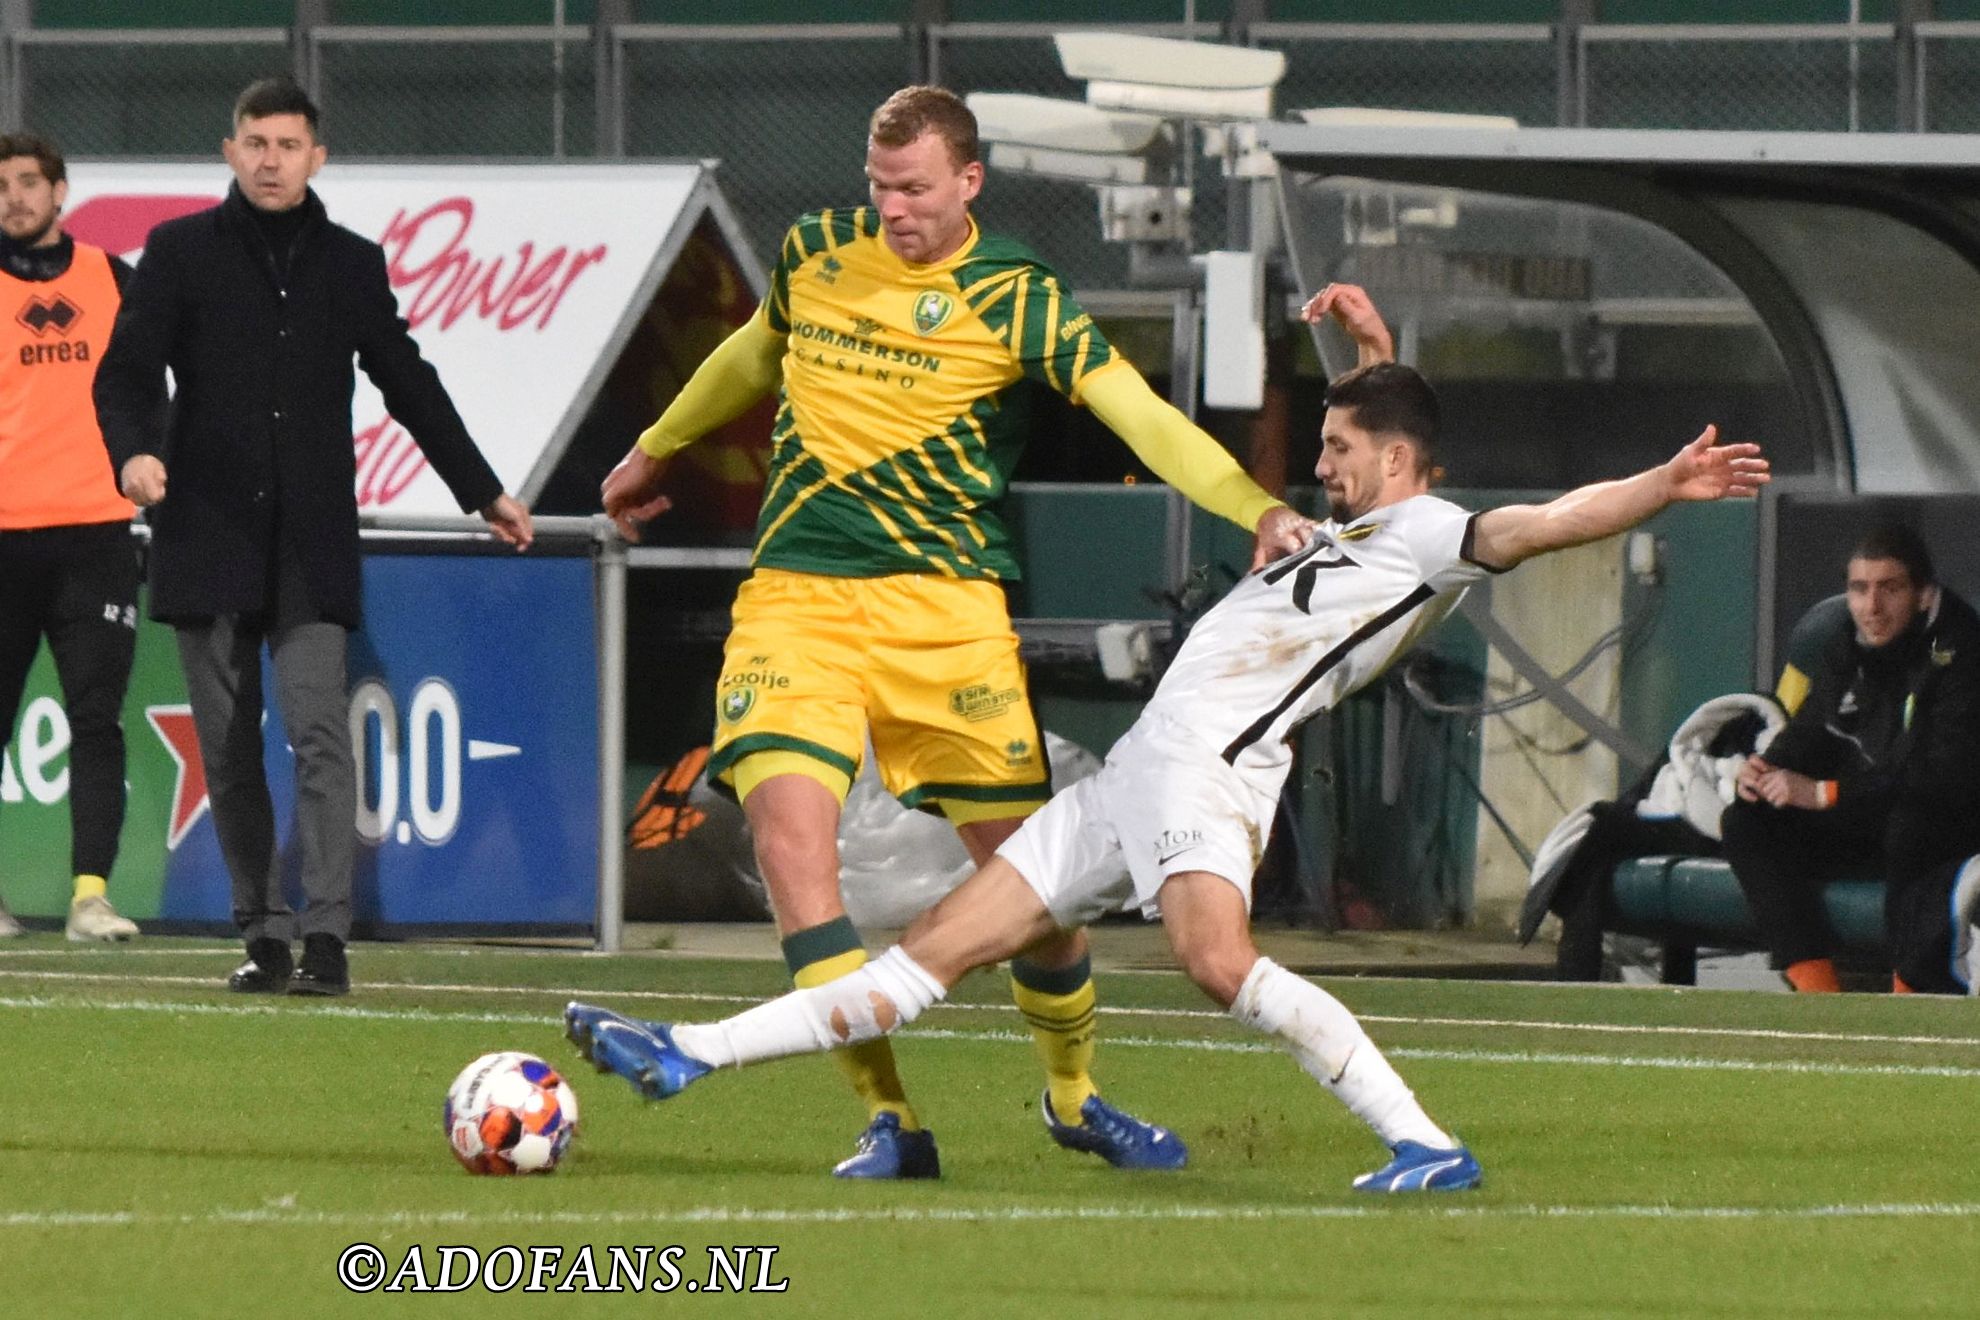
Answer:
(1090, 552)
(1692, 638)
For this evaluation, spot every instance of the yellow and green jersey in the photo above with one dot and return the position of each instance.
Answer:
(893, 444)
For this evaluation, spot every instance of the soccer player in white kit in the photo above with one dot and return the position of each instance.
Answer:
(1176, 820)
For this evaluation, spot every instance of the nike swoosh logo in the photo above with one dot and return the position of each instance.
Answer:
(1164, 861)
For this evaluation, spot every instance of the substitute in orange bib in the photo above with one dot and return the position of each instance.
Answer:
(68, 566)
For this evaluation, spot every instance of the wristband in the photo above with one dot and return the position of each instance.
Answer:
(1826, 792)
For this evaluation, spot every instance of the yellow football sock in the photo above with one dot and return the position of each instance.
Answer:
(1059, 1006)
(89, 886)
(818, 955)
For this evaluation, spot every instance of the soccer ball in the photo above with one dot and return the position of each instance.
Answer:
(509, 1113)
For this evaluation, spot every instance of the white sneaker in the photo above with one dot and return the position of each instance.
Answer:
(8, 926)
(94, 919)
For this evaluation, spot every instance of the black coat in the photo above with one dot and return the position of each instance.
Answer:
(260, 429)
(1898, 722)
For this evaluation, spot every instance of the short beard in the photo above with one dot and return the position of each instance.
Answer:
(34, 239)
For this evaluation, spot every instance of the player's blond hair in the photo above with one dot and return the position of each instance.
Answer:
(913, 111)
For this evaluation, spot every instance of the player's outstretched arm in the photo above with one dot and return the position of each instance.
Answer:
(1183, 454)
(1350, 305)
(1702, 470)
(742, 369)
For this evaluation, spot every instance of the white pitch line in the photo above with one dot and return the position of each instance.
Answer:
(125, 951)
(1632, 1029)
(1683, 1063)
(285, 1217)
(593, 993)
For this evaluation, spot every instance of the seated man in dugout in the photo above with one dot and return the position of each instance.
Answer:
(1878, 770)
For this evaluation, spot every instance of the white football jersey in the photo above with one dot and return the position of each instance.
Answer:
(1295, 637)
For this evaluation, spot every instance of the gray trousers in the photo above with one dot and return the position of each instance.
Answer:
(222, 662)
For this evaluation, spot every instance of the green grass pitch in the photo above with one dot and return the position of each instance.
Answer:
(173, 1150)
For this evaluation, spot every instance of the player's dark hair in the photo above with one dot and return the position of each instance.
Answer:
(1388, 398)
(53, 168)
(275, 96)
(1900, 542)
(912, 111)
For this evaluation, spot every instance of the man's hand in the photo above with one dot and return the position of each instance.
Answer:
(1707, 470)
(1280, 532)
(509, 520)
(1350, 305)
(631, 492)
(143, 481)
(1758, 781)
(1747, 782)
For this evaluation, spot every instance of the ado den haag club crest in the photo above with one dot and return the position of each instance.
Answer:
(931, 310)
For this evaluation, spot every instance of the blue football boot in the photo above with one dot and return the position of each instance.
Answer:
(643, 1053)
(885, 1151)
(1420, 1168)
(1122, 1140)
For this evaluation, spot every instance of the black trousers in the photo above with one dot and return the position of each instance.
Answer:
(77, 587)
(1782, 856)
(1924, 849)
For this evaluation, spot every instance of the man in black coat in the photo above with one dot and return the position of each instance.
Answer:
(1877, 769)
(259, 307)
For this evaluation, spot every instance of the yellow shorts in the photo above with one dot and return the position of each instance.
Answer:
(927, 665)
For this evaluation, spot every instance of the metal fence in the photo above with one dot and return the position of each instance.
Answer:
(785, 107)
(1832, 77)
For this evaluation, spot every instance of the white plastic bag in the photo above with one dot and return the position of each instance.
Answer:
(895, 864)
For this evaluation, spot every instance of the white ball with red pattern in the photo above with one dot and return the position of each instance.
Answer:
(509, 1112)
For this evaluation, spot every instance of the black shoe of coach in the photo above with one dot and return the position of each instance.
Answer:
(267, 970)
(323, 970)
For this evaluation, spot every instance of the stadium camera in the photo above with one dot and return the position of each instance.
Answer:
(1164, 76)
(1152, 214)
(1065, 139)
(1077, 166)
(1047, 121)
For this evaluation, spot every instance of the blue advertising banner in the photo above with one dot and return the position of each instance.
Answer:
(474, 714)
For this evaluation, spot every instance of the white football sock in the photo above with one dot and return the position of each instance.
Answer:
(887, 992)
(1333, 1048)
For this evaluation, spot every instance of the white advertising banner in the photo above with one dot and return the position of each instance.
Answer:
(520, 282)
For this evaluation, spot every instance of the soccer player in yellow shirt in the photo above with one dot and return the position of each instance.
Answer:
(876, 601)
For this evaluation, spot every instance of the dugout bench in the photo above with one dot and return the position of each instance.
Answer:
(1689, 903)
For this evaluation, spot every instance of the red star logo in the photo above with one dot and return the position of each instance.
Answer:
(175, 729)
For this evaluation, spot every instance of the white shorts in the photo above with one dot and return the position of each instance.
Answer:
(1162, 804)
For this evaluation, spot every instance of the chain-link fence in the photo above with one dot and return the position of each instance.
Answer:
(1476, 69)
(138, 93)
(457, 92)
(785, 108)
(1799, 77)
(785, 112)
(1948, 78)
